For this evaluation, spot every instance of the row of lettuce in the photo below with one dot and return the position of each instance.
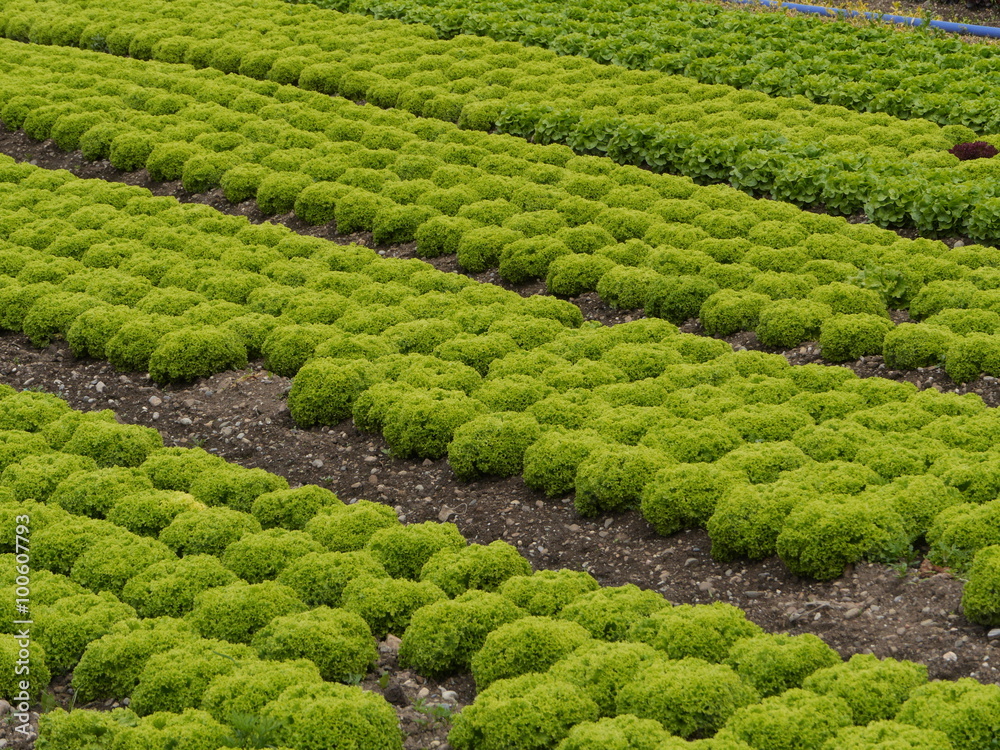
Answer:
(582, 223)
(875, 69)
(899, 172)
(640, 240)
(809, 462)
(217, 599)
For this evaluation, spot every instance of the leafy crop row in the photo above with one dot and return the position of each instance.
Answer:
(899, 172)
(582, 223)
(907, 75)
(227, 607)
(808, 462)
(534, 211)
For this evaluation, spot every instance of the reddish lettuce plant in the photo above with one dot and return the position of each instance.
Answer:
(974, 150)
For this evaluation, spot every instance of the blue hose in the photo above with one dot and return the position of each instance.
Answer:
(957, 28)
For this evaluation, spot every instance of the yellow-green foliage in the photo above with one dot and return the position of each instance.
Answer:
(546, 592)
(94, 493)
(207, 531)
(111, 665)
(15, 444)
(177, 468)
(94, 327)
(57, 545)
(977, 482)
(888, 734)
(330, 715)
(335, 640)
(194, 728)
(492, 445)
(36, 477)
(65, 627)
(907, 347)
(404, 550)
(704, 631)
(387, 604)
(287, 348)
(189, 353)
(477, 566)
(443, 637)
(59, 431)
(107, 565)
(319, 578)
(531, 644)
(787, 323)
(12, 662)
(348, 529)
(571, 275)
(134, 343)
(748, 519)
(608, 613)
(168, 588)
(601, 669)
(761, 463)
(531, 712)
(237, 611)
(728, 311)
(693, 441)
(421, 424)
(551, 463)
(820, 537)
(52, 315)
(235, 486)
(874, 689)
(775, 663)
(30, 410)
(148, 513)
(968, 356)
(795, 719)
(981, 595)
(613, 478)
(678, 298)
(325, 389)
(684, 496)
(687, 696)
(965, 710)
(259, 557)
(846, 337)
(68, 730)
(253, 684)
(961, 530)
(918, 500)
(176, 679)
(847, 299)
(625, 732)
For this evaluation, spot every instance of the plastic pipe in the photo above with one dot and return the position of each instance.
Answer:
(956, 28)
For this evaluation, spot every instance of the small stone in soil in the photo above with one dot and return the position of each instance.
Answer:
(395, 695)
